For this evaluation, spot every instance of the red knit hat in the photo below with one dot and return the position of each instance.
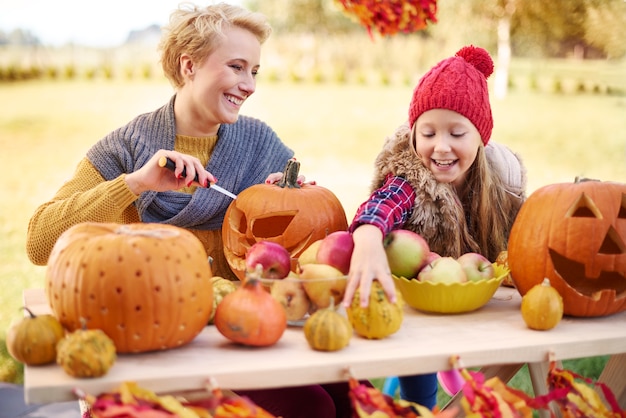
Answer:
(458, 83)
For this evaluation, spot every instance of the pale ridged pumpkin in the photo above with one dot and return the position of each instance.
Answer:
(147, 286)
(574, 234)
(327, 330)
(542, 307)
(380, 318)
(86, 353)
(286, 213)
(33, 339)
(250, 315)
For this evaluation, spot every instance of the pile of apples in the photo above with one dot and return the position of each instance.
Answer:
(409, 256)
(316, 280)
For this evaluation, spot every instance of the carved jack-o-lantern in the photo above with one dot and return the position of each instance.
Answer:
(286, 213)
(575, 235)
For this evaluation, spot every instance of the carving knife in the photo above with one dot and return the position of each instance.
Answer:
(171, 165)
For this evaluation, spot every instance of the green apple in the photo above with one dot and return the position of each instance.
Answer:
(407, 252)
(443, 270)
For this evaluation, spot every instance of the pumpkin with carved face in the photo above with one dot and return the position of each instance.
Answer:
(575, 235)
(287, 213)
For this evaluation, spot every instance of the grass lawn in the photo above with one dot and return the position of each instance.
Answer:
(336, 131)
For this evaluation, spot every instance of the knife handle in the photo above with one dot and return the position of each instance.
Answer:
(171, 165)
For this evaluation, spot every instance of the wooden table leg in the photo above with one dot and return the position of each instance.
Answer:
(505, 372)
(539, 378)
(614, 376)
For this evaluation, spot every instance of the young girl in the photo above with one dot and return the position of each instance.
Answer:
(438, 175)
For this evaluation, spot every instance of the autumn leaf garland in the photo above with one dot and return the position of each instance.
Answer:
(393, 16)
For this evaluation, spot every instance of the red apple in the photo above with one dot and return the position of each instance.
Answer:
(432, 256)
(476, 267)
(274, 259)
(407, 252)
(336, 250)
(443, 270)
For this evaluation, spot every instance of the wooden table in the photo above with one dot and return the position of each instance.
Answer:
(494, 335)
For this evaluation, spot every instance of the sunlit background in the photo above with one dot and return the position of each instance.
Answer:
(73, 70)
(96, 24)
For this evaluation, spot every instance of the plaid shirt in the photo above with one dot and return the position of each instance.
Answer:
(388, 207)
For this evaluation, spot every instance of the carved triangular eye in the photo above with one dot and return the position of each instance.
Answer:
(584, 208)
(613, 243)
(622, 209)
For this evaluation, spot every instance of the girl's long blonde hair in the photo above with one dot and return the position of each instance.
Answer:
(490, 208)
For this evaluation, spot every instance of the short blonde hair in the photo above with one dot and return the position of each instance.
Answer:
(197, 31)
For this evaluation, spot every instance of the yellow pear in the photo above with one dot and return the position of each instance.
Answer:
(291, 295)
(309, 255)
(322, 283)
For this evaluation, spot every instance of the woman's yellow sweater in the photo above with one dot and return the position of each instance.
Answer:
(88, 197)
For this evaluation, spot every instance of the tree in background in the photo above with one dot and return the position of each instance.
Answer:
(580, 29)
(541, 29)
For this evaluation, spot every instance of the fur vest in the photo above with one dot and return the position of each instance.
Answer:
(438, 215)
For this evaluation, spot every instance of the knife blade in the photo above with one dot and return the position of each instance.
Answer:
(171, 165)
(222, 191)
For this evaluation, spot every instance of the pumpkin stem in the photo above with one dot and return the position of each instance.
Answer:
(32, 315)
(290, 175)
(253, 276)
(578, 179)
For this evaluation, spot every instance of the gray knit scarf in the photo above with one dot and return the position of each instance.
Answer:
(246, 152)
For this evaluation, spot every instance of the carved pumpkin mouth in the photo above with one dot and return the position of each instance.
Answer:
(573, 273)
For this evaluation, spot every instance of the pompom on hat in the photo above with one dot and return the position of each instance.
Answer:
(458, 83)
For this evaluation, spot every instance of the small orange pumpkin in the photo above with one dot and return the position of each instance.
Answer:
(147, 286)
(287, 213)
(574, 234)
(250, 315)
(542, 307)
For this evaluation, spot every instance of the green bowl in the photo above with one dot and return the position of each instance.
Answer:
(450, 298)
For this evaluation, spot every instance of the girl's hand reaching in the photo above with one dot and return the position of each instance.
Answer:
(152, 176)
(368, 263)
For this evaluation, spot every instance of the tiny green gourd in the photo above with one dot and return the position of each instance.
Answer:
(380, 318)
(86, 353)
(327, 330)
(33, 339)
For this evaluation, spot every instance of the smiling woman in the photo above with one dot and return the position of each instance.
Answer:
(211, 55)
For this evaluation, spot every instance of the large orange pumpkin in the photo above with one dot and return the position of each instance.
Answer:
(574, 234)
(147, 286)
(289, 214)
